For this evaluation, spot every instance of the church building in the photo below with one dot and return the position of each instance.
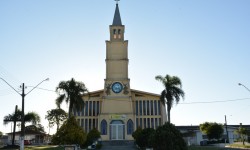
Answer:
(117, 110)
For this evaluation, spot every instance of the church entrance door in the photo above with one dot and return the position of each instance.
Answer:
(117, 130)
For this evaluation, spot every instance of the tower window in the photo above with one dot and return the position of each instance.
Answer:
(119, 33)
(114, 33)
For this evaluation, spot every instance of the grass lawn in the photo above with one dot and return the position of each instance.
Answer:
(51, 147)
(44, 147)
(240, 145)
(204, 148)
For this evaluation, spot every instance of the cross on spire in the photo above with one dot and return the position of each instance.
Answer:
(117, 1)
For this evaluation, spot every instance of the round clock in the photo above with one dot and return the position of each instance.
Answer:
(117, 87)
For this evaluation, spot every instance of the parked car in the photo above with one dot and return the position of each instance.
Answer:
(27, 142)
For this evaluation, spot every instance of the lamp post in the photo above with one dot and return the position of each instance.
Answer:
(22, 115)
(244, 86)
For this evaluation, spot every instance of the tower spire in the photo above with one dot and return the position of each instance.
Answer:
(117, 18)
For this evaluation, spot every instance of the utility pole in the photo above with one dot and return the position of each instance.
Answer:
(22, 122)
(22, 116)
(14, 128)
(226, 128)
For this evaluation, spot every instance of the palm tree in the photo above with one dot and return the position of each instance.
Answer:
(172, 92)
(32, 117)
(71, 92)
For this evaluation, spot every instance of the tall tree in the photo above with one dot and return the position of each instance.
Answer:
(172, 91)
(1, 134)
(242, 132)
(69, 133)
(37, 127)
(71, 92)
(213, 130)
(32, 117)
(56, 116)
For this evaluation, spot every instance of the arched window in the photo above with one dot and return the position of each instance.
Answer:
(104, 127)
(130, 127)
(119, 33)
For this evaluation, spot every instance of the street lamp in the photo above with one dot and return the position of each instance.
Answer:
(22, 115)
(244, 86)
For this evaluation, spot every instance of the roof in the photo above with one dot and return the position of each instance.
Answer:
(188, 127)
(117, 18)
(143, 92)
(30, 132)
(197, 127)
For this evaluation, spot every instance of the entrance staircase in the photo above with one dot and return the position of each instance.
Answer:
(118, 145)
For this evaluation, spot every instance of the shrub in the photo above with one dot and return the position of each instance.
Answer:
(144, 138)
(93, 136)
(168, 137)
(137, 133)
(69, 133)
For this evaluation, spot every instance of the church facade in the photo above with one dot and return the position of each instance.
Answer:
(117, 110)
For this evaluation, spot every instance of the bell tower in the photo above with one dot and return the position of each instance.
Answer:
(116, 85)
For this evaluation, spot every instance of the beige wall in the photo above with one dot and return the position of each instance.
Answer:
(121, 106)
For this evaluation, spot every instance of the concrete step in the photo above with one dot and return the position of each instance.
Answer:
(118, 148)
(118, 145)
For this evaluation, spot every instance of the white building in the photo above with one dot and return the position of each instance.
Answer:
(193, 135)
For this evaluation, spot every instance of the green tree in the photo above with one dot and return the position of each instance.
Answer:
(172, 92)
(37, 127)
(71, 92)
(93, 136)
(213, 130)
(70, 133)
(56, 116)
(168, 137)
(13, 118)
(137, 133)
(31, 117)
(242, 132)
(1, 134)
(144, 138)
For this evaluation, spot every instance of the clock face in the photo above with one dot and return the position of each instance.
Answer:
(117, 87)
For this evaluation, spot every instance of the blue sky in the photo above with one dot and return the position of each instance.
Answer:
(205, 43)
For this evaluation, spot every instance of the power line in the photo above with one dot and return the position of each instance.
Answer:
(221, 101)
(42, 89)
(206, 102)
(4, 73)
(7, 92)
